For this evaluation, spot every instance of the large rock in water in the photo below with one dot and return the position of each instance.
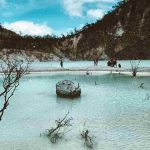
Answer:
(67, 88)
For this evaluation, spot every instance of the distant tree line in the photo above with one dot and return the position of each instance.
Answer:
(11, 40)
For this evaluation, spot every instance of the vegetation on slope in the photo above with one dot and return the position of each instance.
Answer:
(124, 33)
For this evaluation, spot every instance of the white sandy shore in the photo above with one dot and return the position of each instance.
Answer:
(92, 70)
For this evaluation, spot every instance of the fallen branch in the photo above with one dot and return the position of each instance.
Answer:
(56, 133)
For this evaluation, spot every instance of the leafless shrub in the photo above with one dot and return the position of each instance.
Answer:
(12, 70)
(134, 67)
(88, 140)
(56, 133)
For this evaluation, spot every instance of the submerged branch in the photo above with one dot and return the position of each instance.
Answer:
(56, 133)
(88, 140)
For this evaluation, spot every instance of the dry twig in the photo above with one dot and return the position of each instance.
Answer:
(88, 140)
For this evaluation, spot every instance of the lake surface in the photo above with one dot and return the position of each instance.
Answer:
(115, 111)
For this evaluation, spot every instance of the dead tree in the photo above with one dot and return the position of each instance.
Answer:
(134, 67)
(56, 133)
(12, 71)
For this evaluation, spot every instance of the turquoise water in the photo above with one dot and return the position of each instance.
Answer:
(115, 111)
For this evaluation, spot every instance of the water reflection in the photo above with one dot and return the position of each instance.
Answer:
(68, 101)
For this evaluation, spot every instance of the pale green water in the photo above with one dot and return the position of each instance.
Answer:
(114, 110)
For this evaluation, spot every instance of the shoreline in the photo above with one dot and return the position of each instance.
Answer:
(98, 70)
(91, 70)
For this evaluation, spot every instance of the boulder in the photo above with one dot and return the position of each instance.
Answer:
(67, 88)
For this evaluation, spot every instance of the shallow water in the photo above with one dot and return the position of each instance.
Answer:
(114, 110)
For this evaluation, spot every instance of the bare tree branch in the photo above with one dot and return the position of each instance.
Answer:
(61, 124)
(134, 67)
(12, 70)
